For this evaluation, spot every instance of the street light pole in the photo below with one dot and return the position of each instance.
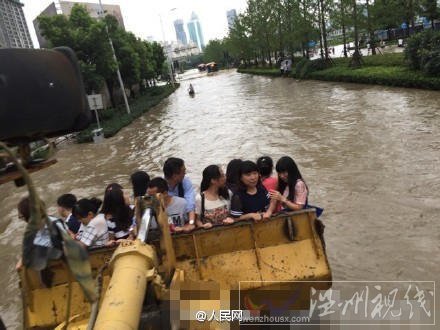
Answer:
(121, 83)
(169, 60)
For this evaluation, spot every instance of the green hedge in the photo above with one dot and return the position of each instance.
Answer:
(387, 69)
(380, 75)
(423, 52)
(262, 72)
(113, 119)
(394, 59)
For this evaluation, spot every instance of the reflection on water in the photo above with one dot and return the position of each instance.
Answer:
(369, 155)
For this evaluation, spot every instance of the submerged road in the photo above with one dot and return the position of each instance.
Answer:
(369, 154)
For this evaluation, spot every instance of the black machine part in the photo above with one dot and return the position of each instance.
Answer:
(41, 94)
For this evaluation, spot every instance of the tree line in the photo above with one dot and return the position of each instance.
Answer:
(138, 60)
(271, 29)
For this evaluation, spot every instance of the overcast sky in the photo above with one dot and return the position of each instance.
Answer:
(142, 16)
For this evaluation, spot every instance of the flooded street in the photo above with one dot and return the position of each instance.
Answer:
(369, 154)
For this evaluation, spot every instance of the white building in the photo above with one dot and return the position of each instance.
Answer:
(178, 51)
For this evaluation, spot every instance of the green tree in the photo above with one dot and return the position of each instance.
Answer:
(214, 52)
(387, 13)
(340, 18)
(370, 28)
(430, 9)
(239, 41)
(306, 30)
(323, 12)
(408, 10)
(87, 37)
(158, 58)
(356, 60)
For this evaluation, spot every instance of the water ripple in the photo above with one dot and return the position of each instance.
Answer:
(369, 155)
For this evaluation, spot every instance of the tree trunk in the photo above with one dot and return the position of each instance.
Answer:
(290, 30)
(320, 30)
(344, 35)
(280, 35)
(306, 35)
(370, 30)
(412, 14)
(324, 29)
(268, 49)
(356, 60)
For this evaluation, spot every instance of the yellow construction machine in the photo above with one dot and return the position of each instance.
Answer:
(161, 280)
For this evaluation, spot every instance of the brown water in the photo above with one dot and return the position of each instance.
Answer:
(370, 156)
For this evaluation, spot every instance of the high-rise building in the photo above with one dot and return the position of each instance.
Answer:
(14, 32)
(180, 31)
(195, 31)
(65, 8)
(231, 16)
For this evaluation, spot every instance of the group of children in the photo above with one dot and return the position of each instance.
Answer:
(247, 191)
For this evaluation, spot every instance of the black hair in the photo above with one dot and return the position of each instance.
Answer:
(246, 167)
(23, 208)
(160, 183)
(113, 185)
(233, 173)
(114, 204)
(287, 164)
(265, 166)
(139, 181)
(67, 201)
(172, 166)
(84, 206)
(209, 173)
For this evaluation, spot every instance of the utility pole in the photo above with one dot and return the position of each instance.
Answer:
(121, 83)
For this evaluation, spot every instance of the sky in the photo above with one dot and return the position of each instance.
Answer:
(142, 17)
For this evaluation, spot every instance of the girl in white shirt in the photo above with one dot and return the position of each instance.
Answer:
(213, 204)
(93, 231)
(291, 193)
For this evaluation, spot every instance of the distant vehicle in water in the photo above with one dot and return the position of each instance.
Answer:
(209, 67)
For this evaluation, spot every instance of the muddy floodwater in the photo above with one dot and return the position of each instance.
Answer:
(369, 154)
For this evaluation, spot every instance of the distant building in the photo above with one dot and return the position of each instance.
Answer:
(180, 32)
(14, 32)
(65, 8)
(195, 31)
(177, 51)
(231, 16)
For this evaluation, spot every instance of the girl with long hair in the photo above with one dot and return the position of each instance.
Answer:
(213, 203)
(292, 191)
(117, 212)
(233, 174)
